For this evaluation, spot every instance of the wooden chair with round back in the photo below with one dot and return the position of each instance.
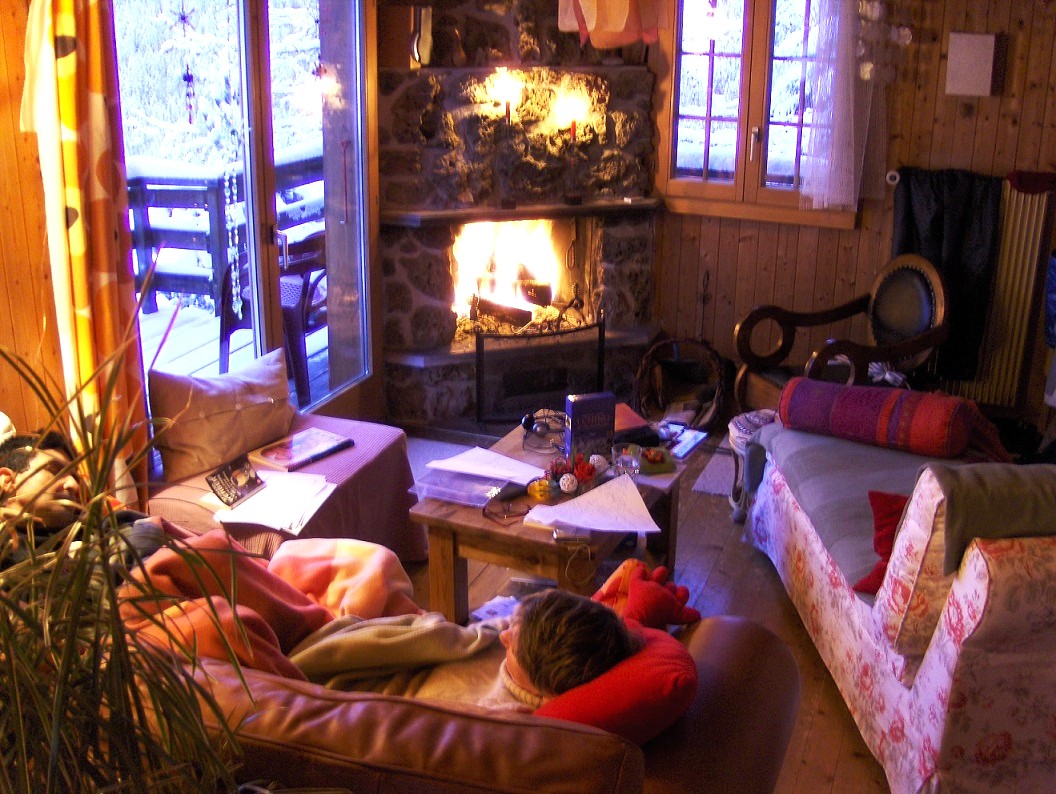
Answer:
(905, 315)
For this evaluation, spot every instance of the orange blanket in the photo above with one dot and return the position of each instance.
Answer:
(213, 598)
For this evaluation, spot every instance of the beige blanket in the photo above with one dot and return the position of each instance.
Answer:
(994, 500)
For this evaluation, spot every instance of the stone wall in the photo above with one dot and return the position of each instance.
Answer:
(444, 142)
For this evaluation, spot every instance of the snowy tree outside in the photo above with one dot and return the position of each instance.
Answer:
(181, 102)
(181, 95)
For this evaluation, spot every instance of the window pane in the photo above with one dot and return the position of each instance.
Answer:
(795, 26)
(722, 152)
(709, 88)
(726, 92)
(694, 86)
(786, 91)
(789, 26)
(692, 140)
(782, 153)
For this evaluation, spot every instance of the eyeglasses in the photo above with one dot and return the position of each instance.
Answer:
(505, 512)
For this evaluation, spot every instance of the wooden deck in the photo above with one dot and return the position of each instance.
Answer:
(726, 576)
(191, 346)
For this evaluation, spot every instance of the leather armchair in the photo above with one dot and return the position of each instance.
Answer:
(733, 739)
(905, 315)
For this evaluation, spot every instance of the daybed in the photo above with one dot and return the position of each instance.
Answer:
(950, 671)
(215, 419)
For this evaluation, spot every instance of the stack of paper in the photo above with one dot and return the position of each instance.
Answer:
(485, 463)
(286, 502)
(613, 506)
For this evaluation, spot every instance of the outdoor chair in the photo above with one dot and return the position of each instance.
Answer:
(905, 319)
(302, 289)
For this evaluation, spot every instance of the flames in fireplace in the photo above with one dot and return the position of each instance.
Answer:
(515, 265)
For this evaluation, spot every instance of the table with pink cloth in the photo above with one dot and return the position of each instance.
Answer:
(371, 500)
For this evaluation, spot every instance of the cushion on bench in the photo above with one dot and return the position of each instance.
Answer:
(924, 423)
(838, 507)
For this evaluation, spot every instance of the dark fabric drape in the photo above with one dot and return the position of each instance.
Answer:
(953, 219)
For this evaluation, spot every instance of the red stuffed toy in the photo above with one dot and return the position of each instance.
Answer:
(636, 594)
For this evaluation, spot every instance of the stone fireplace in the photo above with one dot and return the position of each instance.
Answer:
(461, 160)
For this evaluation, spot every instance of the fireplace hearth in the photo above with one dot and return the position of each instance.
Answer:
(564, 145)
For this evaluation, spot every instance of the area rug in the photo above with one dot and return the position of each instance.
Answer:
(717, 475)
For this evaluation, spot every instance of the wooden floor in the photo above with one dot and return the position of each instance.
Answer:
(727, 576)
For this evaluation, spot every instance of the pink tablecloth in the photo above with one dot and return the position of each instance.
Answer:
(371, 500)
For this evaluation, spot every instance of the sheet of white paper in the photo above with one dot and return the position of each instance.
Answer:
(287, 502)
(485, 463)
(613, 506)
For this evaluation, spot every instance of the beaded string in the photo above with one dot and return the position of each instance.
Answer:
(230, 197)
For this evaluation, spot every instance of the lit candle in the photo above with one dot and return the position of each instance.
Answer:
(507, 112)
(573, 130)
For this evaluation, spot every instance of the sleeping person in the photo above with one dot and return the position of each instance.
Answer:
(555, 641)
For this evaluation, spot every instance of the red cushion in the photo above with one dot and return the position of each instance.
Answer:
(887, 511)
(639, 697)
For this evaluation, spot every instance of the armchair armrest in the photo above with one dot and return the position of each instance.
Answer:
(860, 356)
(788, 322)
(299, 733)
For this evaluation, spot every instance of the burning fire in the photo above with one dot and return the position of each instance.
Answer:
(506, 263)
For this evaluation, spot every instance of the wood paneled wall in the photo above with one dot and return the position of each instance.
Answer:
(27, 313)
(712, 271)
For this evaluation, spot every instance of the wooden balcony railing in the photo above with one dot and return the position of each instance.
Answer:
(197, 208)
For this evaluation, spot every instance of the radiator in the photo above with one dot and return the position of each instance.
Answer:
(1013, 318)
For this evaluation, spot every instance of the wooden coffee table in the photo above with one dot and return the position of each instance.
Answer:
(458, 533)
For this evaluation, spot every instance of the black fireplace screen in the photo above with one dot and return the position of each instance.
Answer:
(521, 373)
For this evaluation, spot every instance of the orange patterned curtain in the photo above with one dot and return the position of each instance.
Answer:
(71, 102)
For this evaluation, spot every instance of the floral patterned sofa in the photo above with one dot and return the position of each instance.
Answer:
(950, 671)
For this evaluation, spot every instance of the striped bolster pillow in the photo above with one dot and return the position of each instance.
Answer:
(924, 423)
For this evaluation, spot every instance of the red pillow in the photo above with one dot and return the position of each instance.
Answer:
(887, 510)
(639, 697)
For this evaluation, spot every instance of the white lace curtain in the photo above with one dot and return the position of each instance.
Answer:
(857, 51)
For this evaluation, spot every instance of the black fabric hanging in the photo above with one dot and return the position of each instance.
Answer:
(953, 219)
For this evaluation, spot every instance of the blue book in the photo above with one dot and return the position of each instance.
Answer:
(589, 424)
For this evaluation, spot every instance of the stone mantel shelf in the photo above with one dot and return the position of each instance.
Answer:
(419, 218)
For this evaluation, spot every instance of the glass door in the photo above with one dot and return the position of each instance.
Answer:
(247, 235)
(317, 109)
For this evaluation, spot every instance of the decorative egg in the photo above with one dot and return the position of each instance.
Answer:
(569, 483)
(599, 462)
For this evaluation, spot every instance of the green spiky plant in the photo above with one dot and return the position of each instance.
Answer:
(89, 705)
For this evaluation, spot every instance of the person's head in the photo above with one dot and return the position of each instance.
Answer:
(35, 476)
(558, 640)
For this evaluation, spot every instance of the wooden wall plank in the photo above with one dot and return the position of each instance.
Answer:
(28, 322)
(726, 286)
(669, 228)
(1012, 97)
(708, 275)
(1032, 120)
(689, 255)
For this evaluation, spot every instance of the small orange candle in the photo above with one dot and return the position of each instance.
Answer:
(573, 130)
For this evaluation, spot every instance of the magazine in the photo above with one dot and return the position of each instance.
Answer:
(234, 481)
(287, 503)
(297, 450)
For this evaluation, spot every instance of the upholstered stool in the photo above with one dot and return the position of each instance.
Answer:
(370, 499)
(742, 427)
